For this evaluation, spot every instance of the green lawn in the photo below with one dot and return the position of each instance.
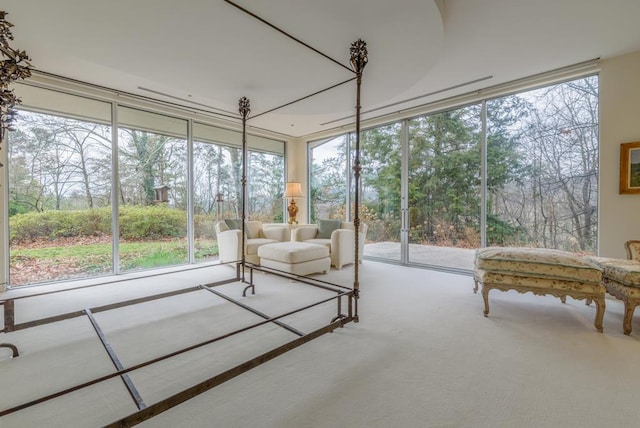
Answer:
(56, 262)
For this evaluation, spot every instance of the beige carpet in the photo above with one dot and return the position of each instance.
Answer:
(423, 355)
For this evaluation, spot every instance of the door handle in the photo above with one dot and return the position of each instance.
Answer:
(405, 220)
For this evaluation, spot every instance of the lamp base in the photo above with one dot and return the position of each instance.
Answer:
(293, 211)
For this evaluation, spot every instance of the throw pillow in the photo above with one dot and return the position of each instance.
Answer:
(252, 232)
(233, 223)
(326, 227)
(236, 224)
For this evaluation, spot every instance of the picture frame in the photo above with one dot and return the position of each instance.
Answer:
(630, 168)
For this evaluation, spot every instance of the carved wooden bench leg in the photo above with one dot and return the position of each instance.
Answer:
(485, 297)
(600, 307)
(629, 308)
(621, 279)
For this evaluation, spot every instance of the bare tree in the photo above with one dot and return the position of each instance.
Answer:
(563, 135)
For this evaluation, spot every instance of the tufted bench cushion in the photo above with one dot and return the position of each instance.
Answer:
(626, 272)
(540, 271)
(541, 263)
(299, 258)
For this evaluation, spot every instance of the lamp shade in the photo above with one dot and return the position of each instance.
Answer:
(293, 190)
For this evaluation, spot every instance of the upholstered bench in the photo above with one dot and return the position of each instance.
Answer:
(540, 271)
(298, 258)
(621, 278)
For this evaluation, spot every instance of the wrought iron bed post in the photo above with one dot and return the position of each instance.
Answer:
(244, 108)
(359, 60)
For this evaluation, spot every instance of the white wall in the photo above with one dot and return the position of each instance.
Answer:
(619, 215)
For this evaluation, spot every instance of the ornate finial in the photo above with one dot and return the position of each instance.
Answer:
(244, 107)
(357, 170)
(13, 66)
(359, 55)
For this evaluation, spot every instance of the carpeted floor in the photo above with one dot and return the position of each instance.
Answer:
(422, 355)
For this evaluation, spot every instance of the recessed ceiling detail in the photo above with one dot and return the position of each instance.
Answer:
(211, 53)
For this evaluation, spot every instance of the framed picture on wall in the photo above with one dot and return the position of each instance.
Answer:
(630, 168)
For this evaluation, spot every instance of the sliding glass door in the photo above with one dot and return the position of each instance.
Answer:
(381, 196)
(444, 187)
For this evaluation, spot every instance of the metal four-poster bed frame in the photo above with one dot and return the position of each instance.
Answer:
(358, 60)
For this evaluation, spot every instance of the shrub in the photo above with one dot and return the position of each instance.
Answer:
(135, 223)
(56, 224)
(204, 225)
(154, 222)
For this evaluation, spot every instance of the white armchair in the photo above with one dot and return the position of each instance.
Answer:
(229, 240)
(340, 243)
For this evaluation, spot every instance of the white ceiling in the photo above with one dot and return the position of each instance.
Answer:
(209, 53)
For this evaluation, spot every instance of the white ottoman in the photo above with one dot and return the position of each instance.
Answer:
(298, 258)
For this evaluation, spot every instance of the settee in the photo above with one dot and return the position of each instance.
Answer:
(337, 236)
(230, 244)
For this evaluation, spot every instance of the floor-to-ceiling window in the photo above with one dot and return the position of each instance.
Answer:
(542, 167)
(265, 186)
(59, 192)
(217, 187)
(328, 178)
(539, 149)
(161, 188)
(215, 194)
(151, 189)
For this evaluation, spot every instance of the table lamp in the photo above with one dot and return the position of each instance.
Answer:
(293, 190)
